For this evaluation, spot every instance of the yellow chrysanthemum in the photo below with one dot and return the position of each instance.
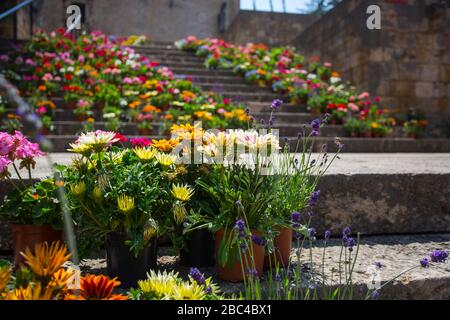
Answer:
(125, 203)
(145, 154)
(46, 260)
(165, 145)
(182, 192)
(165, 159)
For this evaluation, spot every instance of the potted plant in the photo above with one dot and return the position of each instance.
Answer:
(33, 210)
(144, 123)
(120, 195)
(241, 195)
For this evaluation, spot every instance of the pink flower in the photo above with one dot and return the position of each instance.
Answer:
(4, 58)
(353, 106)
(30, 62)
(6, 143)
(140, 142)
(4, 163)
(81, 58)
(25, 150)
(41, 110)
(377, 99)
(363, 96)
(221, 111)
(121, 137)
(47, 77)
(127, 80)
(328, 64)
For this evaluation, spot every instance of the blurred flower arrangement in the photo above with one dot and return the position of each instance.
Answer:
(99, 72)
(306, 82)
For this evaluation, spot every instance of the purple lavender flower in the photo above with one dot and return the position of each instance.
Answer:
(312, 233)
(327, 235)
(349, 243)
(247, 111)
(299, 135)
(297, 235)
(271, 121)
(313, 199)
(251, 273)
(376, 294)
(197, 276)
(276, 104)
(315, 127)
(425, 263)
(259, 241)
(378, 265)
(208, 290)
(346, 231)
(296, 225)
(262, 121)
(439, 256)
(277, 277)
(295, 216)
(240, 225)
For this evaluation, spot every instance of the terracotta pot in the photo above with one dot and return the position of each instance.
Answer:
(283, 247)
(234, 273)
(29, 235)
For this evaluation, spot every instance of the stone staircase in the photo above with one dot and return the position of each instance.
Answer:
(290, 119)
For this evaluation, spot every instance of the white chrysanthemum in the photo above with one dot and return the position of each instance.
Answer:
(94, 140)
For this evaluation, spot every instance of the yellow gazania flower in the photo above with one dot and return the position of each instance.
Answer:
(125, 204)
(145, 154)
(150, 229)
(187, 131)
(206, 115)
(374, 125)
(188, 291)
(160, 285)
(78, 189)
(90, 120)
(165, 145)
(97, 194)
(46, 260)
(5, 277)
(228, 115)
(179, 212)
(182, 192)
(47, 103)
(32, 292)
(83, 149)
(165, 159)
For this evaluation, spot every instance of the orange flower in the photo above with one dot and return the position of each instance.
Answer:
(150, 108)
(12, 116)
(97, 288)
(42, 88)
(335, 74)
(90, 120)
(165, 145)
(35, 196)
(59, 183)
(46, 260)
(33, 291)
(203, 115)
(134, 104)
(168, 117)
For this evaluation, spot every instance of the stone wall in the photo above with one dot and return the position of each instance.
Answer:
(161, 20)
(407, 62)
(270, 28)
(17, 24)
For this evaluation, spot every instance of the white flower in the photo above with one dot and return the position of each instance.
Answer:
(93, 141)
(311, 76)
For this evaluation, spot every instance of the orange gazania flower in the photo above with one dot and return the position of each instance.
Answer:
(134, 104)
(5, 277)
(42, 88)
(97, 288)
(165, 145)
(335, 74)
(187, 131)
(168, 117)
(203, 115)
(150, 108)
(46, 260)
(32, 292)
(47, 103)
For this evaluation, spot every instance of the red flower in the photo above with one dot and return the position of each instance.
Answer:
(68, 77)
(121, 137)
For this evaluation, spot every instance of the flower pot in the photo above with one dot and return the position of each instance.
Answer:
(29, 235)
(122, 263)
(198, 250)
(80, 117)
(71, 105)
(234, 273)
(283, 247)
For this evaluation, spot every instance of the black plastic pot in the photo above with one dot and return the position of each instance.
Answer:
(123, 264)
(199, 249)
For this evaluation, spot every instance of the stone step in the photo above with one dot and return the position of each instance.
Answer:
(373, 193)
(233, 79)
(219, 88)
(202, 72)
(185, 59)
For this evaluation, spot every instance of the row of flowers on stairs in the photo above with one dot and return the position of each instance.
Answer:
(240, 207)
(311, 83)
(102, 78)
